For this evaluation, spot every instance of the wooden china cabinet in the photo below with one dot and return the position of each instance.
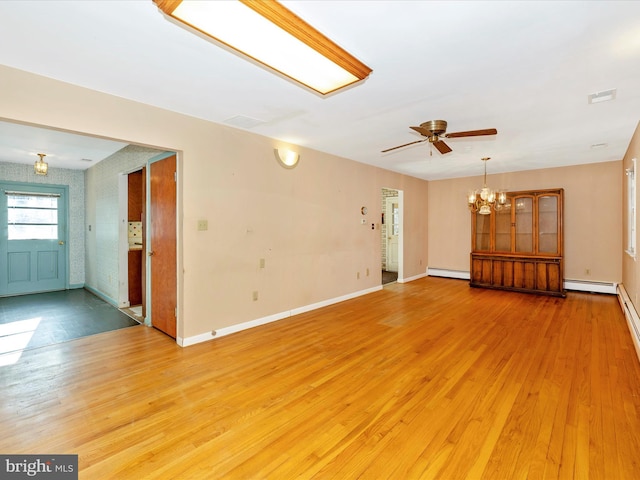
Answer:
(519, 247)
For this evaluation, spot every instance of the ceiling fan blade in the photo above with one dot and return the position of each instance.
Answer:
(422, 131)
(405, 145)
(442, 147)
(472, 133)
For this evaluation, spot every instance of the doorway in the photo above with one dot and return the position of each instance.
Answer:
(133, 291)
(391, 235)
(148, 253)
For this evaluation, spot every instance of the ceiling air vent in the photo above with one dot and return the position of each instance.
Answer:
(243, 122)
(599, 145)
(603, 96)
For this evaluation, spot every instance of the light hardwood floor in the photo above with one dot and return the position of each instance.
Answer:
(430, 379)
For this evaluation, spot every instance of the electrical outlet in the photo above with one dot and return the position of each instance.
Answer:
(367, 272)
(255, 296)
(203, 225)
(357, 275)
(262, 263)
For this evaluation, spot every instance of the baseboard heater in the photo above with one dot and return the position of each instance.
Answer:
(442, 272)
(594, 287)
(577, 285)
(631, 315)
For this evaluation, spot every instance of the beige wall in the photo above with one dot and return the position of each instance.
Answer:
(592, 229)
(304, 222)
(630, 266)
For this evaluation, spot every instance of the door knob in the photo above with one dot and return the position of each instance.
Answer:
(150, 253)
(61, 242)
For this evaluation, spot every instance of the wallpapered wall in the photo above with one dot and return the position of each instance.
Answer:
(102, 207)
(14, 172)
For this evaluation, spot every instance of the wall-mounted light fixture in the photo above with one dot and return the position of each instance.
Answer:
(287, 158)
(272, 35)
(41, 167)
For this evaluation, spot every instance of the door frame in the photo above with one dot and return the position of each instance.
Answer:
(388, 209)
(400, 195)
(123, 242)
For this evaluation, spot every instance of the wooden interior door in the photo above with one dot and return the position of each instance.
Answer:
(143, 260)
(162, 248)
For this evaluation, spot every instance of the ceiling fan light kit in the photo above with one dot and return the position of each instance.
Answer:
(272, 35)
(435, 130)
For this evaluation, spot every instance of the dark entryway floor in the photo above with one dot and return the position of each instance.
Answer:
(389, 277)
(30, 321)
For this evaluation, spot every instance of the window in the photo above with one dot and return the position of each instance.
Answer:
(631, 209)
(395, 219)
(32, 216)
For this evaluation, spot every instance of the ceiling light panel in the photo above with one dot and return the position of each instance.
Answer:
(274, 36)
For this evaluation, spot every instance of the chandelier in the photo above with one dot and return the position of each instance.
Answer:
(41, 167)
(482, 200)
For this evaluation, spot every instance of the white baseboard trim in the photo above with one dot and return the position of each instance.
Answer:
(221, 332)
(631, 315)
(101, 295)
(441, 272)
(411, 279)
(595, 287)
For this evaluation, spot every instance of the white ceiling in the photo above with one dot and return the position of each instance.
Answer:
(525, 68)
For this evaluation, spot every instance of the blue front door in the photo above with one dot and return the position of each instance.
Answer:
(33, 253)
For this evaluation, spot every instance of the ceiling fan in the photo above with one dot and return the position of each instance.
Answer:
(435, 129)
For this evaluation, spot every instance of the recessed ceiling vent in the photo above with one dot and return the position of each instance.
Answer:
(603, 96)
(241, 121)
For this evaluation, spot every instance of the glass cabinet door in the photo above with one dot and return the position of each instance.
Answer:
(523, 223)
(548, 224)
(503, 229)
(483, 233)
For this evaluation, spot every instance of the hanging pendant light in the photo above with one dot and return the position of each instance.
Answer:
(41, 167)
(482, 200)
